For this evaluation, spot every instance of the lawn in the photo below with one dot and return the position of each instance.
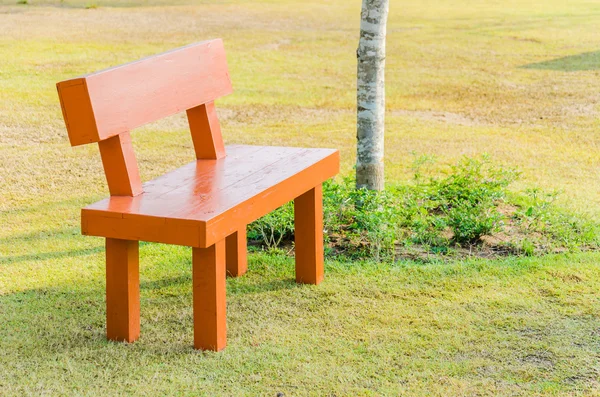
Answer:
(518, 80)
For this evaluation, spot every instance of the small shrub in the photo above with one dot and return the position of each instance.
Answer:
(537, 209)
(469, 197)
(436, 215)
(376, 217)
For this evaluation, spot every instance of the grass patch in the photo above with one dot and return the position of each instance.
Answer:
(514, 326)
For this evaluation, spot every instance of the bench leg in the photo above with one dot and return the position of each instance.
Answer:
(122, 290)
(235, 257)
(308, 219)
(208, 276)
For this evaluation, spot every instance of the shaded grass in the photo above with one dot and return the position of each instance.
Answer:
(572, 63)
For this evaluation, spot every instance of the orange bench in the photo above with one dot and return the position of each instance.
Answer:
(205, 204)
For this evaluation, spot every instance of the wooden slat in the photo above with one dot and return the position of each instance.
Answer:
(183, 176)
(217, 192)
(143, 228)
(77, 112)
(183, 191)
(120, 166)
(206, 132)
(211, 215)
(268, 199)
(104, 104)
(270, 176)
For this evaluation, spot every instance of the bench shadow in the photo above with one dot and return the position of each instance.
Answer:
(572, 63)
(64, 318)
(67, 232)
(49, 255)
(233, 289)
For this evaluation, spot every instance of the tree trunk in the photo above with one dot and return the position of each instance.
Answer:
(371, 94)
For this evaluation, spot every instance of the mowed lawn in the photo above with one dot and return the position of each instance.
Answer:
(518, 80)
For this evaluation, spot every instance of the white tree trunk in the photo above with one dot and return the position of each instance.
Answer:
(371, 94)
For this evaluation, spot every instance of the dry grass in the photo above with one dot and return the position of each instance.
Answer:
(458, 79)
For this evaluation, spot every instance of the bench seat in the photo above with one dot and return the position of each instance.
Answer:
(206, 200)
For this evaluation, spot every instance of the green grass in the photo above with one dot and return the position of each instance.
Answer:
(511, 327)
(518, 80)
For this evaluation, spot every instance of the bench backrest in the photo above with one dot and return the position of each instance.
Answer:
(104, 106)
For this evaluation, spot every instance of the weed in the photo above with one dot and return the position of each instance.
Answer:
(274, 227)
(527, 247)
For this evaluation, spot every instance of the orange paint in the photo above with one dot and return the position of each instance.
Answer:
(205, 204)
(208, 275)
(120, 166)
(125, 97)
(77, 112)
(206, 132)
(207, 200)
(236, 256)
(122, 290)
(308, 220)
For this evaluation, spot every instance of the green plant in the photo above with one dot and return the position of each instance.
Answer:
(469, 223)
(537, 211)
(436, 215)
(376, 216)
(527, 247)
(274, 227)
(469, 197)
(539, 217)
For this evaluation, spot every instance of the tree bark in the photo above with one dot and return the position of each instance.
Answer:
(371, 95)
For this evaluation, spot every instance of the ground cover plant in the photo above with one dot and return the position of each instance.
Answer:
(466, 211)
(513, 79)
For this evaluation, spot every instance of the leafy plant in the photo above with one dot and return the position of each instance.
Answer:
(435, 214)
(469, 197)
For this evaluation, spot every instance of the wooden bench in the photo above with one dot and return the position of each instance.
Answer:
(205, 204)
